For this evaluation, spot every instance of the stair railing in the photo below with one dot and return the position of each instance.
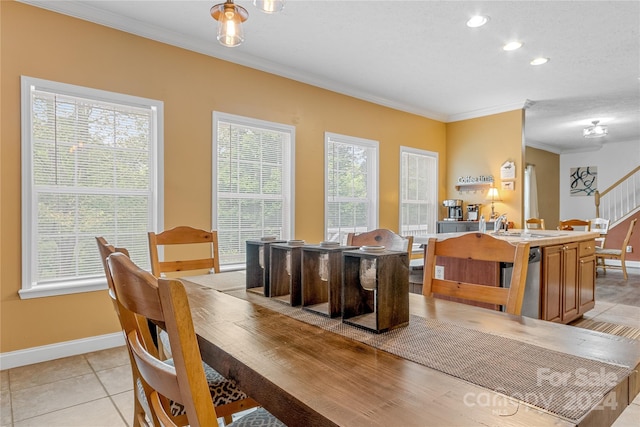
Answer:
(620, 199)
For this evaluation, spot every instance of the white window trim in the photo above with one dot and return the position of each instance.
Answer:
(29, 288)
(373, 171)
(289, 158)
(427, 153)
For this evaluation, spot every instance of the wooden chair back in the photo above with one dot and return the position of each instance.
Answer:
(600, 225)
(570, 224)
(382, 237)
(165, 301)
(482, 247)
(184, 235)
(124, 316)
(603, 254)
(535, 224)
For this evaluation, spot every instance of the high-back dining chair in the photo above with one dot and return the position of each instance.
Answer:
(482, 247)
(600, 225)
(381, 237)
(184, 235)
(184, 380)
(535, 224)
(603, 254)
(141, 410)
(570, 224)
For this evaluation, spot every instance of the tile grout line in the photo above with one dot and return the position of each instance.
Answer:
(126, 423)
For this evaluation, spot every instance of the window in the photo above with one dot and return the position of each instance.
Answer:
(252, 184)
(91, 166)
(351, 186)
(418, 191)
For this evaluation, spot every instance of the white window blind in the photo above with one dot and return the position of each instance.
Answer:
(418, 191)
(252, 185)
(351, 186)
(89, 169)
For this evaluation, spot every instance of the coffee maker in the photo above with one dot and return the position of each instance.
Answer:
(454, 209)
(473, 211)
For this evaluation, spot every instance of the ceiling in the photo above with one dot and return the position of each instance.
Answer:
(420, 57)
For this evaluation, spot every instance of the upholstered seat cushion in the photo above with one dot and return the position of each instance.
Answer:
(258, 418)
(223, 390)
(616, 252)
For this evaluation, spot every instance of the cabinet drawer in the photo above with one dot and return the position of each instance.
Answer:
(587, 248)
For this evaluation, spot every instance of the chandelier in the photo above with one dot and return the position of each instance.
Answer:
(230, 17)
(595, 131)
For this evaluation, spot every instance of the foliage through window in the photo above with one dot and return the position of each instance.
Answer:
(418, 191)
(252, 185)
(89, 162)
(351, 186)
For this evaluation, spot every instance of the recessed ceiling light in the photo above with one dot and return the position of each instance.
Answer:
(477, 21)
(539, 61)
(512, 46)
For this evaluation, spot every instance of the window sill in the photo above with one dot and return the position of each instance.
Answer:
(63, 288)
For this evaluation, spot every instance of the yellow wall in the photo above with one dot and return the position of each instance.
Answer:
(51, 46)
(548, 180)
(478, 147)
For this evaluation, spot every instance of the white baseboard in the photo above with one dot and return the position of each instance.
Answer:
(13, 359)
(628, 264)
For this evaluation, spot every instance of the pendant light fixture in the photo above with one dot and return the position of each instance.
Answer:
(230, 18)
(269, 6)
(595, 131)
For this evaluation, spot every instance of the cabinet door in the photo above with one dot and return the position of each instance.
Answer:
(552, 283)
(570, 282)
(587, 284)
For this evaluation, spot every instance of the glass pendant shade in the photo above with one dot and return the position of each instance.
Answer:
(269, 6)
(230, 18)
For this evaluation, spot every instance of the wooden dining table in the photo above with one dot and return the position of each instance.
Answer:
(312, 374)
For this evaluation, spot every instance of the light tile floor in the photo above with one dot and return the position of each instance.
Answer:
(95, 389)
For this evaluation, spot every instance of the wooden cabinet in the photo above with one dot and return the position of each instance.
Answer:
(568, 280)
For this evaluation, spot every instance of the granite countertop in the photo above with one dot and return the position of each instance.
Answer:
(535, 237)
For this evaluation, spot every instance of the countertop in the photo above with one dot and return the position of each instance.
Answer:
(536, 238)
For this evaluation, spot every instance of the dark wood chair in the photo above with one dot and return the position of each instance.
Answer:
(603, 254)
(481, 247)
(570, 224)
(184, 235)
(382, 237)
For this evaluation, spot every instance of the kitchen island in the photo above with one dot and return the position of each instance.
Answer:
(561, 275)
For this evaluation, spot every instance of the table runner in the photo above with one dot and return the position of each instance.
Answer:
(563, 384)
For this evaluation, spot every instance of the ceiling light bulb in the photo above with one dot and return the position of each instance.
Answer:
(230, 18)
(539, 61)
(477, 21)
(512, 46)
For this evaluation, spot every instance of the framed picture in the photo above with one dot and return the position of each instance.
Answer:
(583, 181)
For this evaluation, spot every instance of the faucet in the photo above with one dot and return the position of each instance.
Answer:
(502, 219)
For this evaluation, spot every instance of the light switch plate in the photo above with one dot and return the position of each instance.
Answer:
(440, 272)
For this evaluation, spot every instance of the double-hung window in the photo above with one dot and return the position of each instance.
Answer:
(252, 183)
(418, 191)
(91, 166)
(351, 186)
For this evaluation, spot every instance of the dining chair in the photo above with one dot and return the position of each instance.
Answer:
(227, 397)
(184, 235)
(535, 224)
(481, 247)
(382, 237)
(603, 254)
(141, 410)
(600, 225)
(570, 224)
(184, 380)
